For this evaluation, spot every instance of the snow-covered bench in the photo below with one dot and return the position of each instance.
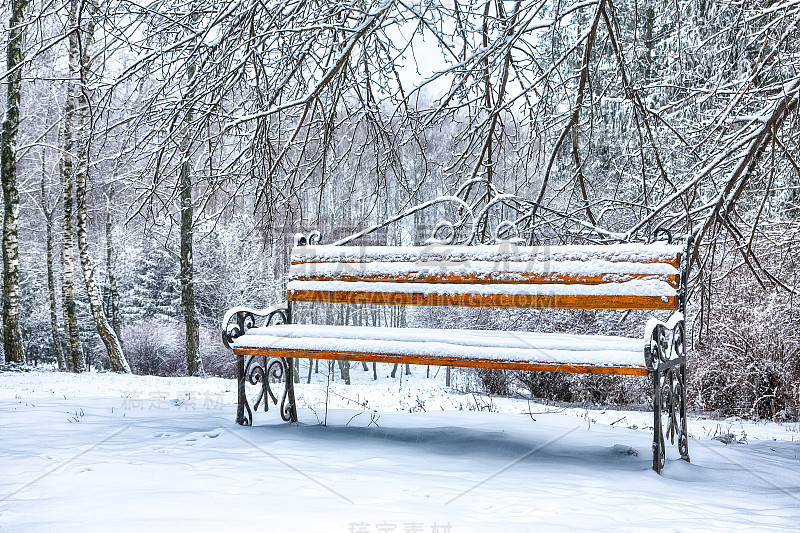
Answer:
(606, 276)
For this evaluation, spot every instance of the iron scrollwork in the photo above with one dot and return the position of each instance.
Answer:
(259, 370)
(307, 239)
(665, 355)
(262, 371)
(480, 214)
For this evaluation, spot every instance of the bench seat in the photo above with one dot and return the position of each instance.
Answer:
(513, 350)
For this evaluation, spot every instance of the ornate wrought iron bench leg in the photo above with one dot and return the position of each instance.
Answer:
(289, 407)
(234, 324)
(658, 429)
(666, 355)
(683, 432)
(243, 405)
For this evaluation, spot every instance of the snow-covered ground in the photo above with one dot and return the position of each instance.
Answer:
(103, 452)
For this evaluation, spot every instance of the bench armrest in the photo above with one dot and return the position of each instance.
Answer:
(238, 320)
(664, 341)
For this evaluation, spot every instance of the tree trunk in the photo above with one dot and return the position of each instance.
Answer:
(74, 355)
(51, 282)
(344, 371)
(116, 322)
(107, 335)
(194, 363)
(12, 339)
(648, 42)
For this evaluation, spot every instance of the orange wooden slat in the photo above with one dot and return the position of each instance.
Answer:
(495, 277)
(443, 361)
(532, 301)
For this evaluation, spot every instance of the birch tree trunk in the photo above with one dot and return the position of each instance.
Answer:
(12, 340)
(194, 363)
(74, 355)
(107, 335)
(116, 322)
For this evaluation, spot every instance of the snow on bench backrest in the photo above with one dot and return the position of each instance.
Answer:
(623, 276)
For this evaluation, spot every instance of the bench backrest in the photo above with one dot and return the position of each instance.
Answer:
(621, 276)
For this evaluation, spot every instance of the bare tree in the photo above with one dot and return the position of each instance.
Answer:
(75, 359)
(194, 363)
(82, 132)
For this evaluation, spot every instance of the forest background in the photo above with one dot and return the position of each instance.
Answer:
(157, 158)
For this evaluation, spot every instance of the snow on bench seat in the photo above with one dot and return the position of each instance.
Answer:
(637, 294)
(450, 347)
(592, 272)
(631, 253)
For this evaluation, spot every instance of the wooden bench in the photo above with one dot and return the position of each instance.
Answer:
(507, 275)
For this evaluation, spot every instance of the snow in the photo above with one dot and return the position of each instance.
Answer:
(103, 452)
(638, 287)
(505, 270)
(636, 253)
(671, 323)
(454, 343)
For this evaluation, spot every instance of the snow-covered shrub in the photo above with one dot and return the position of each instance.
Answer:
(611, 390)
(748, 363)
(552, 386)
(585, 388)
(745, 358)
(495, 381)
(217, 360)
(154, 348)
